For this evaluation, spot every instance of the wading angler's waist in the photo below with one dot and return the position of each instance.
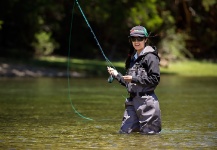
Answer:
(140, 94)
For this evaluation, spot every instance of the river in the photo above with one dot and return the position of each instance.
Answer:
(56, 113)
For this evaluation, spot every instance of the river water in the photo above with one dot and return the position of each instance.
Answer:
(56, 113)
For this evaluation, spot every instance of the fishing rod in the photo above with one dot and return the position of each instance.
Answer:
(68, 70)
(97, 42)
(110, 79)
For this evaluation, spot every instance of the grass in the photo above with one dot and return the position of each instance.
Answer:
(87, 66)
(98, 68)
(192, 68)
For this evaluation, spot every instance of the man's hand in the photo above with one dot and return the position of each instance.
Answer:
(127, 78)
(112, 71)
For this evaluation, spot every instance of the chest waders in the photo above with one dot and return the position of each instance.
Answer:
(142, 112)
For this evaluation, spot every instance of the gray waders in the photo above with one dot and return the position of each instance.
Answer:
(142, 114)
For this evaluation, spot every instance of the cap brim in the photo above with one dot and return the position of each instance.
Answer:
(137, 35)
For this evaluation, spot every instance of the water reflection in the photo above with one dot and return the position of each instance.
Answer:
(37, 114)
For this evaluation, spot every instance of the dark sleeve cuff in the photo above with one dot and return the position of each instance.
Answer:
(134, 80)
(119, 76)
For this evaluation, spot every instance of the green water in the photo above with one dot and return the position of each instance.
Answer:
(37, 114)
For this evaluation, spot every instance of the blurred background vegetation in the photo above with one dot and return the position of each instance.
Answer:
(31, 29)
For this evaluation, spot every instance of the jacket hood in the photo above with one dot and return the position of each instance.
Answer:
(147, 49)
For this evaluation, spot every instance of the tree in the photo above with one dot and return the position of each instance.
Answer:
(186, 28)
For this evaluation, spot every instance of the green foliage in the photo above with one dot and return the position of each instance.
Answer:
(203, 29)
(168, 19)
(44, 44)
(43, 27)
(1, 23)
(207, 3)
(145, 13)
(173, 45)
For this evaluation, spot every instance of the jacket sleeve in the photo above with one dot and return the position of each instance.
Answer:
(151, 75)
(121, 79)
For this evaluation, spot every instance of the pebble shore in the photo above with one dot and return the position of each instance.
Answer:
(21, 70)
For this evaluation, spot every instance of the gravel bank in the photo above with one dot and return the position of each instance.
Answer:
(21, 70)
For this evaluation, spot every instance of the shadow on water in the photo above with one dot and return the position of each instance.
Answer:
(37, 114)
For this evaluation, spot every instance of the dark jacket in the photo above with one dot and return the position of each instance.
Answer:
(145, 72)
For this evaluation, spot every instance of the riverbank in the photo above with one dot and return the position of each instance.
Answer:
(25, 70)
(192, 68)
(58, 66)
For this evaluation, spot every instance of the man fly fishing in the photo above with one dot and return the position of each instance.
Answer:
(142, 112)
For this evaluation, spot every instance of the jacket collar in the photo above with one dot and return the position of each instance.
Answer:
(145, 50)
